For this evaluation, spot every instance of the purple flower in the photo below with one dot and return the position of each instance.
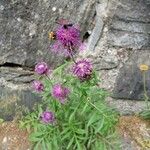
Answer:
(67, 40)
(41, 68)
(47, 117)
(83, 69)
(37, 86)
(69, 36)
(59, 92)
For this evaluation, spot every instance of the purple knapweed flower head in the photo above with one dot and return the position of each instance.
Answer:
(83, 69)
(67, 38)
(47, 117)
(59, 92)
(41, 68)
(37, 86)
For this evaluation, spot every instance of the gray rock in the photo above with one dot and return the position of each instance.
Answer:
(15, 102)
(126, 107)
(25, 26)
(98, 28)
(16, 94)
(130, 25)
(16, 75)
(129, 84)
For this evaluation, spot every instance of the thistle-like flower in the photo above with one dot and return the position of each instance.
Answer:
(83, 70)
(47, 117)
(41, 68)
(59, 92)
(38, 86)
(67, 39)
(69, 36)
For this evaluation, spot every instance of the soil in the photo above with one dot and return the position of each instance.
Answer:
(135, 134)
(12, 137)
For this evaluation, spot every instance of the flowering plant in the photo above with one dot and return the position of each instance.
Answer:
(73, 114)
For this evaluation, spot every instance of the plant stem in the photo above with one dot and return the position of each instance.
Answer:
(48, 79)
(145, 91)
(70, 51)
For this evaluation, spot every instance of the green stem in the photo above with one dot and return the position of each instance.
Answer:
(145, 91)
(70, 48)
(49, 80)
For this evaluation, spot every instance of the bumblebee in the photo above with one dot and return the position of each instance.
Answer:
(52, 35)
(64, 23)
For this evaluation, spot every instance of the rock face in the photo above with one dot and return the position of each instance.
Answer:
(130, 26)
(25, 25)
(116, 28)
(130, 82)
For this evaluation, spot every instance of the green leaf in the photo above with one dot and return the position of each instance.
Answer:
(36, 146)
(43, 145)
(100, 125)
(70, 143)
(49, 145)
(66, 136)
(55, 142)
(145, 114)
(92, 119)
(84, 108)
(34, 137)
(79, 147)
(80, 131)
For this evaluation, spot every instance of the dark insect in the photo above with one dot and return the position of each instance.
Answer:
(65, 23)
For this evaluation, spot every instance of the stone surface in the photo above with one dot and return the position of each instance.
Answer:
(16, 75)
(25, 25)
(127, 107)
(130, 25)
(16, 100)
(129, 84)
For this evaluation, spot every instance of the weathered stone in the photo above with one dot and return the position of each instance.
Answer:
(98, 28)
(130, 25)
(16, 75)
(25, 26)
(130, 84)
(15, 101)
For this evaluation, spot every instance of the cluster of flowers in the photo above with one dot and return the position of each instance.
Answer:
(67, 40)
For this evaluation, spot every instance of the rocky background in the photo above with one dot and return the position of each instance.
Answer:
(118, 41)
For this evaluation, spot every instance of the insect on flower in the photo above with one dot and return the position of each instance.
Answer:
(52, 35)
(65, 23)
